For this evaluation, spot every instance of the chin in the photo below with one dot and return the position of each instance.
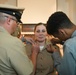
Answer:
(40, 40)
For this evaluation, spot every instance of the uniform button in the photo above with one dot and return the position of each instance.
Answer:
(41, 58)
(41, 71)
(41, 65)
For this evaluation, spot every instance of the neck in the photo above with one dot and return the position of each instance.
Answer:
(73, 29)
(41, 43)
(70, 31)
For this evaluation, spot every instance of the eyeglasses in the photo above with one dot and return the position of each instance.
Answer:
(13, 19)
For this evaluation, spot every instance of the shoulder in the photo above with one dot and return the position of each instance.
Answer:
(70, 44)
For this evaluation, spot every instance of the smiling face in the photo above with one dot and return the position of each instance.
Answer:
(40, 33)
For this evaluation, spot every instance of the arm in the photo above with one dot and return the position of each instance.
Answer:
(35, 51)
(66, 65)
(32, 52)
(34, 59)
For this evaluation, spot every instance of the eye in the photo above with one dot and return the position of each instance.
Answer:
(43, 30)
(38, 31)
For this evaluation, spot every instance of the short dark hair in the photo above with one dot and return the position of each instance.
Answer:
(58, 20)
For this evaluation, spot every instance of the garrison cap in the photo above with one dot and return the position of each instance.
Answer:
(12, 10)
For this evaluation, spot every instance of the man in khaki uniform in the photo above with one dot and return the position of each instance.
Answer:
(13, 58)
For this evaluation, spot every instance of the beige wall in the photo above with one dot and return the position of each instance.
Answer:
(11, 2)
(69, 7)
(72, 10)
(37, 10)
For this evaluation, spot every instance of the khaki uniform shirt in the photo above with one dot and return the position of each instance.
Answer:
(13, 58)
(45, 64)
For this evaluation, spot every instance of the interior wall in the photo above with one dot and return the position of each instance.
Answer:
(37, 10)
(72, 10)
(69, 7)
(11, 2)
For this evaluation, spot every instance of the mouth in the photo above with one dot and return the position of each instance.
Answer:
(41, 37)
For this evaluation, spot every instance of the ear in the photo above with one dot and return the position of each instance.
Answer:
(61, 32)
(8, 21)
